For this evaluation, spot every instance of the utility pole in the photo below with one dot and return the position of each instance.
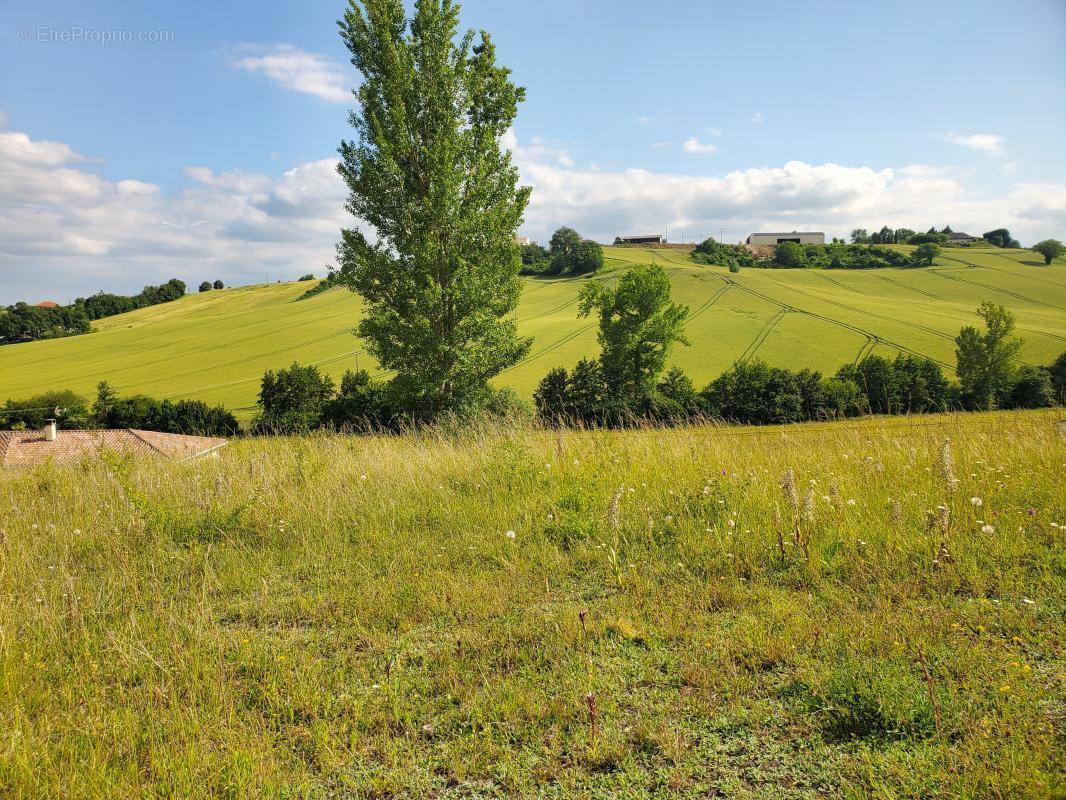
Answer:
(721, 236)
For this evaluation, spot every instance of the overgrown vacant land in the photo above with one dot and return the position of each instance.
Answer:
(851, 609)
(217, 345)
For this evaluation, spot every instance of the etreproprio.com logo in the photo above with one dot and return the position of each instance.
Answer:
(77, 34)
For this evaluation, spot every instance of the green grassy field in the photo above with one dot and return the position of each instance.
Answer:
(216, 346)
(824, 610)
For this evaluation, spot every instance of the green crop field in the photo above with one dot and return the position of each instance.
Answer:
(215, 346)
(868, 609)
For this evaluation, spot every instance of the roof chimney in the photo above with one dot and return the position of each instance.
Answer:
(50, 430)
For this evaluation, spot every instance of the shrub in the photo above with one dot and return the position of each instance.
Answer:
(586, 257)
(711, 251)
(552, 399)
(1057, 371)
(570, 253)
(1033, 388)
(535, 259)
(191, 417)
(307, 276)
(682, 399)
(73, 411)
(206, 286)
(332, 279)
(362, 404)
(925, 253)
(292, 400)
(842, 397)
(218, 284)
(789, 254)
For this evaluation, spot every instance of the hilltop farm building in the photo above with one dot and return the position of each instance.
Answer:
(642, 238)
(799, 237)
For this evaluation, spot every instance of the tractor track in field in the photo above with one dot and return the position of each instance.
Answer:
(847, 326)
(550, 348)
(105, 346)
(762, 336)
(184, 356)
(708, 303)
(568, 303)
(941, 272)
(972, 265)
(902, 285)
(212, 367)
(867, 349)
(248, 359)
(854, 310)
(835, 282)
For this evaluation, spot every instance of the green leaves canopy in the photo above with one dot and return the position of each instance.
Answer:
(638, 328)
(428, 174)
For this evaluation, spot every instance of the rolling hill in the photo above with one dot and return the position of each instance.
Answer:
(215, 346)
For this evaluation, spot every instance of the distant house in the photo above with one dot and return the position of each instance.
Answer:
(27, 448)
(46, 304)
(523, 240)
(799, 237)
(962, 238)
(643, 238)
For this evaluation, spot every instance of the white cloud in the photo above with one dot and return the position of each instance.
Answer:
(643, 120)
(66, 231)
(296, 69)
(694, 145)
(714, 131)
(757, 118)
(3, 120)
(830, 197)
(1009, 168)
(982, 142)
(660, 145)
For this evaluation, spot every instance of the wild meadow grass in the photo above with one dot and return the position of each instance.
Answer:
(870, 609)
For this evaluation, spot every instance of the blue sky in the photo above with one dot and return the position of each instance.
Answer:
(211, 151)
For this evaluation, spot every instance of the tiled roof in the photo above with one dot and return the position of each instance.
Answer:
(26, 448)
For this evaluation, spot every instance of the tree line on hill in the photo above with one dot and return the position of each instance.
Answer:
(72, 411)
(1000, 237)
(791, 255)
(22, 322)
(207, 286)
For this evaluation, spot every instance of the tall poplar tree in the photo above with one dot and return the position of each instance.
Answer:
(427, 171)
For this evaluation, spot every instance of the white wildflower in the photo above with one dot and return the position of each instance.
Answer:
(987, 529)
(976, 502)
(511, 534)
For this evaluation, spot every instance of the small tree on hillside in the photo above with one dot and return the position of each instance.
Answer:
(205, 286)
(639, 326)
(218, 284)
(986, 361)
(1050, 249)
(860, 236)
(925, 254)
(1000, 237)
(428, 173)
(586, 257)
(561, 248)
